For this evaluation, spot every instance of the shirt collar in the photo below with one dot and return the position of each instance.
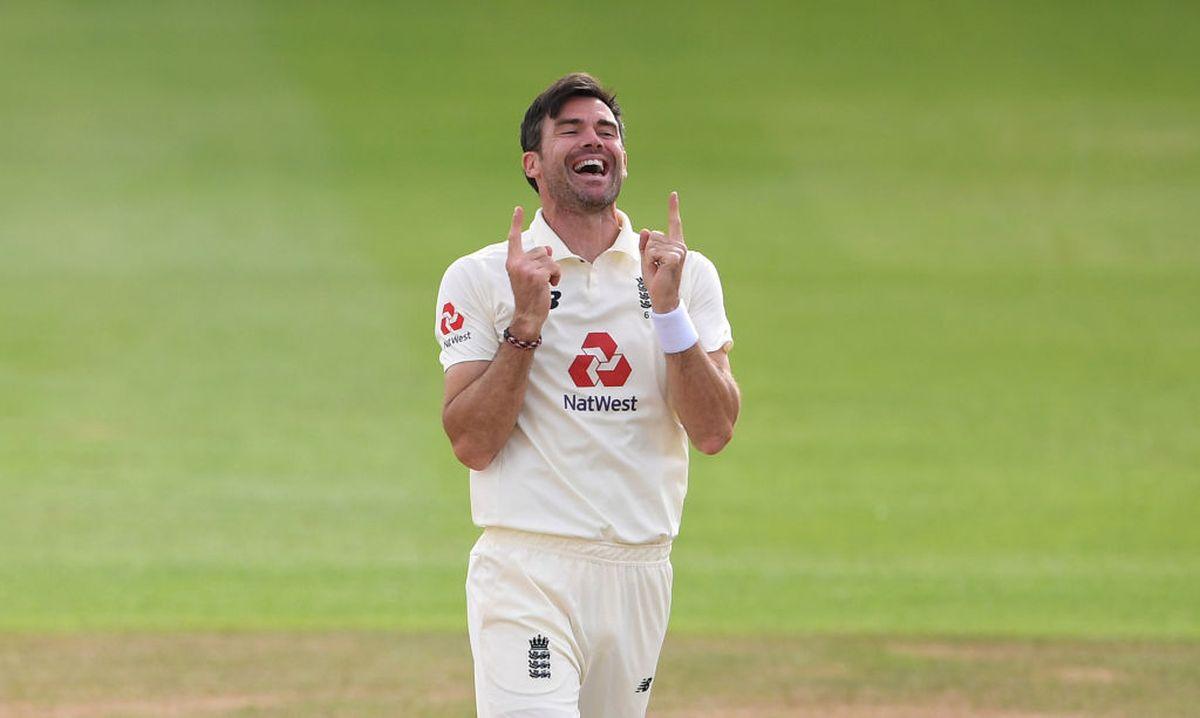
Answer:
(541, 235)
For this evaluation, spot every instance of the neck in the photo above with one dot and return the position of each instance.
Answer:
(587, 234)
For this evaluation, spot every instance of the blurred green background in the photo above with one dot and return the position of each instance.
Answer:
(960, 248)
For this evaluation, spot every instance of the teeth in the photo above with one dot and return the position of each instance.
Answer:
(588, 163)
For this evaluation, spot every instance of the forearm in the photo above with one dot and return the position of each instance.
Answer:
(704, 395)
(481, 417)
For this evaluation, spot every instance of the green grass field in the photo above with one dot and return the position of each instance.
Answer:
(960, 249)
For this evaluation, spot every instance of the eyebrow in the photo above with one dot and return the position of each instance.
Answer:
(576, 121)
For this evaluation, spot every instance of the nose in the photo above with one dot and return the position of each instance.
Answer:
(591, 138)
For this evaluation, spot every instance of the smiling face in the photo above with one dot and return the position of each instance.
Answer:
(581, 162)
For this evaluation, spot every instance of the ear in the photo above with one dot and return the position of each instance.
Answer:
(532, 163)
(624, 164)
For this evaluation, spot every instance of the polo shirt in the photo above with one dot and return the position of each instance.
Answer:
(597, 452)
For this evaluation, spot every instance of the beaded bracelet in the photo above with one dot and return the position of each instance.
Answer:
(521, 343)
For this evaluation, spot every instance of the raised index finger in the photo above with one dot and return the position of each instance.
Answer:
(514, 233)
(674, 224)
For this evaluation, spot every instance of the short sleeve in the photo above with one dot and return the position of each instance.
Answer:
(464, 317)
(706, 304)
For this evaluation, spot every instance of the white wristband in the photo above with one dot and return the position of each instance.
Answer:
(675, 330)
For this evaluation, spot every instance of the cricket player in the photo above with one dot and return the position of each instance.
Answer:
(580, 357)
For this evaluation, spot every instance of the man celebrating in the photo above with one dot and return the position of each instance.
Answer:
(580, 357)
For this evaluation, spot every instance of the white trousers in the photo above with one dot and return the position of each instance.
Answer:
(565, 628)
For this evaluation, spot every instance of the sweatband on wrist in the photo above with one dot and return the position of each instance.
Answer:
(675, 330)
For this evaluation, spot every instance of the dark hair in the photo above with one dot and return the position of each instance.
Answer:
(550, 103)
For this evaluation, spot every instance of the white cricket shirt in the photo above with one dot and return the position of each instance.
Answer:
(597, 453)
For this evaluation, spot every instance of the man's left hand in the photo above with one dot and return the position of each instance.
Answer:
(662, 260)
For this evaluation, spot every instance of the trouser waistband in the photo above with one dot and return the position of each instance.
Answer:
(581, 548)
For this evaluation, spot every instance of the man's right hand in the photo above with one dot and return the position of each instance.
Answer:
(531, 274)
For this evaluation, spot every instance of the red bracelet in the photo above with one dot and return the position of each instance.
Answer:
(521, 343)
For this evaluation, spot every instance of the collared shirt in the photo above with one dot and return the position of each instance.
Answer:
(597, 452)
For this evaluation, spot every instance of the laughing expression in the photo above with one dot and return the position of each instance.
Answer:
(581, 163)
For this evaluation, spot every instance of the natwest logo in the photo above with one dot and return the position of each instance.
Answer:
(599, 363)
(452, 321)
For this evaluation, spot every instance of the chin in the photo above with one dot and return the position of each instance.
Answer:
(595, 203)
(585, 198)
(596, 198)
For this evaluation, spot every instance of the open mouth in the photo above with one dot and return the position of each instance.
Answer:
(590, 166)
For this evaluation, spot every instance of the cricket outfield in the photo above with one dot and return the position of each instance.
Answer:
(960, 253)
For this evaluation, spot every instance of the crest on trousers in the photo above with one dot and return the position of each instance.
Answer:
(539, 657)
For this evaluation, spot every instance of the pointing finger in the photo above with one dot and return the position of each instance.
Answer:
(647, 262)
(674, 224)
(514, 232)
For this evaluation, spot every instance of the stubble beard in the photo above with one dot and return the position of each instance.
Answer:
(567, 195)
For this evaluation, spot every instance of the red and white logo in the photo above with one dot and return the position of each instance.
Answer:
(452, 321)
(599, 363)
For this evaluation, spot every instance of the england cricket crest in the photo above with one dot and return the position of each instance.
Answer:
(539, 657)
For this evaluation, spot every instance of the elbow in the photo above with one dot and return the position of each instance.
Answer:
(467, 444)
(713, 442)
(470, 455)
(475, 461)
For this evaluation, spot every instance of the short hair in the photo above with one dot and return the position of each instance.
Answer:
(550, 103)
